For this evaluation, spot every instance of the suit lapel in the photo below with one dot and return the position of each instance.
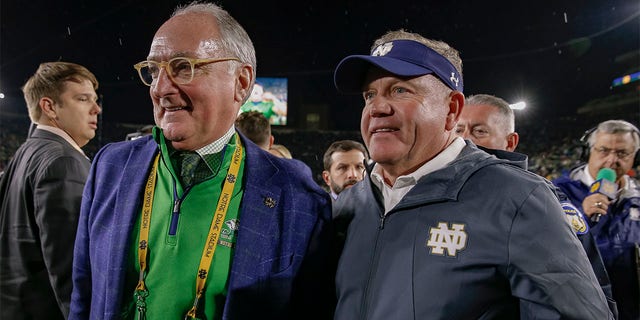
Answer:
(259, 213)
(128, 204)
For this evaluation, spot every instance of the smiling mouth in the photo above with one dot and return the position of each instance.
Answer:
(382, 130)
(173, 109)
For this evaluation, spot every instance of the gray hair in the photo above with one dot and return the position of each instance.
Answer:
(617, 127)
(234, 39)
(508, 118)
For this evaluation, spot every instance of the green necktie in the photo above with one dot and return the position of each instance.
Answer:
(188, 163)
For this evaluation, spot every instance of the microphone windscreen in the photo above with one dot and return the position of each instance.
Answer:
(607, 174)
(605, 183)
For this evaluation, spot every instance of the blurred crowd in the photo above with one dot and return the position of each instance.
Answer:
(550, 151)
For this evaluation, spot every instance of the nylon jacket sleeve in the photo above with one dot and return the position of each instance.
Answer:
(548, 269)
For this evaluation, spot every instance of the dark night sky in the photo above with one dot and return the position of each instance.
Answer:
(556, 55)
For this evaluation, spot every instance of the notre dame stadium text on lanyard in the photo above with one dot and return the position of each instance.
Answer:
(141, 292)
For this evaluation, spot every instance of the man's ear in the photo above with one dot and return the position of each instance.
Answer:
(512, 141)
(244, 82)
(47, 105)
(456, 103)
(325, 177)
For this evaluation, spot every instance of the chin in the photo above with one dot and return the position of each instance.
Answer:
(385, 160)
(174, 138)
(380, 153)
(173, 132)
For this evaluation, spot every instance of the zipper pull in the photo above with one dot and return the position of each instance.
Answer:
(176, 206)
(382, 217)
(173, 227)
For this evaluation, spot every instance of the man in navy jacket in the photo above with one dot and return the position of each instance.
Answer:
(440, 229)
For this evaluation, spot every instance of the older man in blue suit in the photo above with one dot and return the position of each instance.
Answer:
(196, 221)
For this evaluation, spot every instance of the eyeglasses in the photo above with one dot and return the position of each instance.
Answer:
(179, 69)
(605, 152)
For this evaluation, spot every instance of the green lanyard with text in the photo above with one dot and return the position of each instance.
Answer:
(209, 249)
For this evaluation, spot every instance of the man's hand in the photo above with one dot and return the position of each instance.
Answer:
(595, 204)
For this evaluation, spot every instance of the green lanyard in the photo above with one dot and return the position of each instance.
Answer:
(209, 249)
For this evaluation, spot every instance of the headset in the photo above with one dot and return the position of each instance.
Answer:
(585, 148)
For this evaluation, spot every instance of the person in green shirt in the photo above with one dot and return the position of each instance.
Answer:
(267, 103)
(194, 221)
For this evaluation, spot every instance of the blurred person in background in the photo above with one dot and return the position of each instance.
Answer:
(344, 165)
(615, 221)
(267, 103)
(489, 122)
(41, 191)
(280, 151)
(255, 126)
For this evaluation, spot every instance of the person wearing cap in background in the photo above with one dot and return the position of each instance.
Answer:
(440, 229)
(615, 215)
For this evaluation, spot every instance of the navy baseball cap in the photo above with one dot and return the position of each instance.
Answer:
(405, 58)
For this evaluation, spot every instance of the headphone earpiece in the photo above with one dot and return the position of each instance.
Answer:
(584, 145)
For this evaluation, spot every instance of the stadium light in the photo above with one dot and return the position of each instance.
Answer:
(518, 105)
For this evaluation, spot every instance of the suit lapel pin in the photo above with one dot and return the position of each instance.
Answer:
(269, 202)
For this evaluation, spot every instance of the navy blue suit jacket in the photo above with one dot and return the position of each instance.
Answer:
(281, 267)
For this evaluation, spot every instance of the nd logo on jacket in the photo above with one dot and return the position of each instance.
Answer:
(452, 239)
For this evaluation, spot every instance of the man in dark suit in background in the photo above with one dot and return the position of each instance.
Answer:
(41, 190)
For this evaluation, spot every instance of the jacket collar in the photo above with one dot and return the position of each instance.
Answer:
(446, 183)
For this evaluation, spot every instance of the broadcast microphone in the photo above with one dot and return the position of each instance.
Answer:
(605, 184)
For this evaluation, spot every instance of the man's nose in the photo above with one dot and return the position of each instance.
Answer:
(353, 173)
(380, 107)
(163, 85)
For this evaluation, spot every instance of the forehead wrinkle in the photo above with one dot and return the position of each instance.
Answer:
(162, 47)
(182, 54)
